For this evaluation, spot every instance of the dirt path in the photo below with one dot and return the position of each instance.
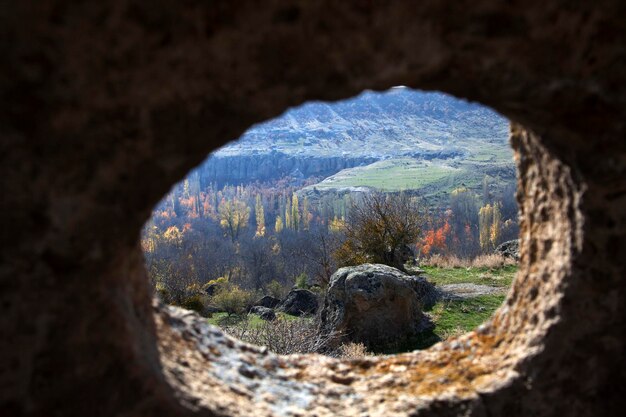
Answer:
(467, 290)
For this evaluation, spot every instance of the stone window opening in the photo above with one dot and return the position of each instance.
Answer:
(191, 210)
(215, 371)
(109, 104)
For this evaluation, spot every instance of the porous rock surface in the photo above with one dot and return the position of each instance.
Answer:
(376, 305)
(107, 104)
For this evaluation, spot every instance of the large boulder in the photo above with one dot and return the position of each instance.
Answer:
(375, 305)
(268, 301)
(299, 302)
(265, 313)
(509, 249)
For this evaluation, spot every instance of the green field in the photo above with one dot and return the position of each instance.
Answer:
(453, 317)
(390, 175)
(500, 277)
(433, 179)
(493, 154)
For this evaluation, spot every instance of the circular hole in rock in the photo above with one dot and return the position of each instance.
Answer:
(252, 238)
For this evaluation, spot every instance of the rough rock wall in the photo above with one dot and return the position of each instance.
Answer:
(107, 104)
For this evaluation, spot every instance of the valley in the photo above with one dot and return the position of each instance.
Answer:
(399, 140)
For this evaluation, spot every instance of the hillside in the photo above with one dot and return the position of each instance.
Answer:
(407, 126)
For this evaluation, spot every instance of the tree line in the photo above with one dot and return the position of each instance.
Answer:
(261, 235)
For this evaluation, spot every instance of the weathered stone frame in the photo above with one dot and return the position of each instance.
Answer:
(112, 103)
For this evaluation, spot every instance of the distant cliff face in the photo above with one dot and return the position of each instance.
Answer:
(236, 169)
(398, 122)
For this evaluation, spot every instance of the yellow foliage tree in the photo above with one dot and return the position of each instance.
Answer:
(288, 222)
(295, 212)
(234, 216)
(306, 215)
(496, 225)
(173, 235)
(489, 225)
(278, 226)
(337, 224)
(260, 217)
(288, 213)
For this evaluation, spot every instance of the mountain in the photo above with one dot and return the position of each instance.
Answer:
(414, 128)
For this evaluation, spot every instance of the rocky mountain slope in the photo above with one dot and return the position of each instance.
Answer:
(321, 139)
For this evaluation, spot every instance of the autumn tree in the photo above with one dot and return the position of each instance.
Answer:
(288, 221)
(306, 215)
(464, 205)
(234, 216)
(337, 224)
(435, 240)
(324, 244)
(278, 225)
(378, 229)
(295, 212)
(489, 224)
(259, 213)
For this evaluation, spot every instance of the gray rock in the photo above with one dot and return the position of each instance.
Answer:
(264, 312)
(509, 249)
(376, 305)
(299, 302)
(210, 289)
(268, 301)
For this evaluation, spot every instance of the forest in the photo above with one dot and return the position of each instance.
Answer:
(269, 237)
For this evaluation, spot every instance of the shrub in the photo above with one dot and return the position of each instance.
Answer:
(232, 299)
(353, 351)
(163, 293)
(285, 336)
(276, 289)
(378, 228)
(194, 302)
(302, 281)
(492, 261)
(218, 281)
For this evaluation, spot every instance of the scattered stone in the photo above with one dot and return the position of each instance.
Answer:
(299, 302)
(376, 305)
(265, 313)
(509, 249)
(268, 301)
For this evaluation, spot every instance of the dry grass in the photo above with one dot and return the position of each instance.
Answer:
(283, 336)
(491, 261)
(353, 351)
(287, 337)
